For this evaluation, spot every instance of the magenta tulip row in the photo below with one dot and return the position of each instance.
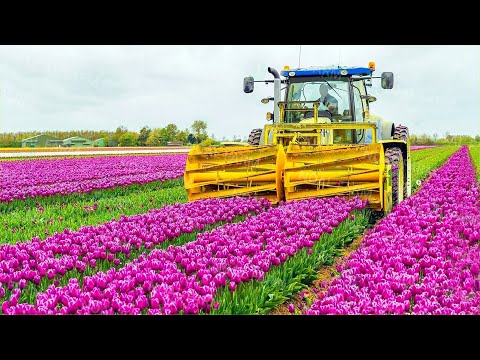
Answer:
(30, 178)
(420, 147)
(184, 279)
(423, 258)
(34, 260)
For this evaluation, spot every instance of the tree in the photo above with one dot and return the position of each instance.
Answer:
(192, 139)
(182, 136)
(119, 132)
(154, 138)
(171, 132)
(164, 136)
(128, 139)
(112, 141)
(477, 138)
(143, 136)
(199, 129)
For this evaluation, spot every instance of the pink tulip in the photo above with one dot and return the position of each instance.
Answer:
(46, 177)
(422, 251)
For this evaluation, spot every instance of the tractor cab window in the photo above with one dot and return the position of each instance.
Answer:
(332, 93)
(360, 104)
(360, 109)
(357, 102)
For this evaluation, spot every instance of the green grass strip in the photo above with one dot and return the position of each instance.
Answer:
(23, 225)
(475, 156)
(94, 195)
(425, 160)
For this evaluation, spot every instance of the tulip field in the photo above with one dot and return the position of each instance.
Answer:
(38, 177)
(116, 235)
(420, 147)
(423, 258)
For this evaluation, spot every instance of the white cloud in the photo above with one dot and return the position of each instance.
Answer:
(101, 87)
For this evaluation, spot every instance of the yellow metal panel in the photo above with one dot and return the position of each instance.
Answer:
(235, 171)
(330, 191)
(280, 167)
(237, 191)
(308, 176)
(209, 178)
(400, 180)
(333, 170)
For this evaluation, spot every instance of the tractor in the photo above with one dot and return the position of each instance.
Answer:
(322, 141)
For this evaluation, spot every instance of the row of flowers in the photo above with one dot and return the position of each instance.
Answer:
(423, 258)
(30, 178)
(420, 147)
(184, 279)
(47, 262)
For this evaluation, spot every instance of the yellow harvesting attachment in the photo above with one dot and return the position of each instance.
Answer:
(235, 171)
(319, 171)
(292, 172)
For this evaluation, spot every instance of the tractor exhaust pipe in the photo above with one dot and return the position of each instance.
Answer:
(276, 94)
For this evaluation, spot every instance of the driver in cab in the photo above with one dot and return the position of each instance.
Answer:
(327, 101)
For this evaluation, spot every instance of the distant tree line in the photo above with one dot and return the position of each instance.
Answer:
(447, 139)
(196, 134)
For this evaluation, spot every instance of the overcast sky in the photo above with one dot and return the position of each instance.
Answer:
(437, 87)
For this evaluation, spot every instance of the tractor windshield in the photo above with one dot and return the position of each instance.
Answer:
(332, 93)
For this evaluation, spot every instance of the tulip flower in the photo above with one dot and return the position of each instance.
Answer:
(422, 258)
(46, 177)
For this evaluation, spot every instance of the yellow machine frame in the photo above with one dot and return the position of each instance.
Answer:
(297, 172)
(299, 160)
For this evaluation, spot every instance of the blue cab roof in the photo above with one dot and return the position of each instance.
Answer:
(327, 71)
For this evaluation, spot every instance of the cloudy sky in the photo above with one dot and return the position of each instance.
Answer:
(437, 87)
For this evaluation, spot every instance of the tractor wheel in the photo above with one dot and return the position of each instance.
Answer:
(401, 133)
(394, 157)
(255, 137)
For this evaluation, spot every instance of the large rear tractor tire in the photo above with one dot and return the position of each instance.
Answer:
(255, 137)
(401, 133)
(394, 157)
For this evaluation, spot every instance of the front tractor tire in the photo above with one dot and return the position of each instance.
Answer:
(394, 157)
(255, 137)
(401, 133)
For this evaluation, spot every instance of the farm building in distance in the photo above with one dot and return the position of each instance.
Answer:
(77, 141)
(100, 142)
(41, 140)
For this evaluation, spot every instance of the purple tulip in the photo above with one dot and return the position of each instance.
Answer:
(46, 177)
(422, 258)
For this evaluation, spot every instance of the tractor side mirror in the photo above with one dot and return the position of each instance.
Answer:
(387, 80)
(248, 84)
(369, 98)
